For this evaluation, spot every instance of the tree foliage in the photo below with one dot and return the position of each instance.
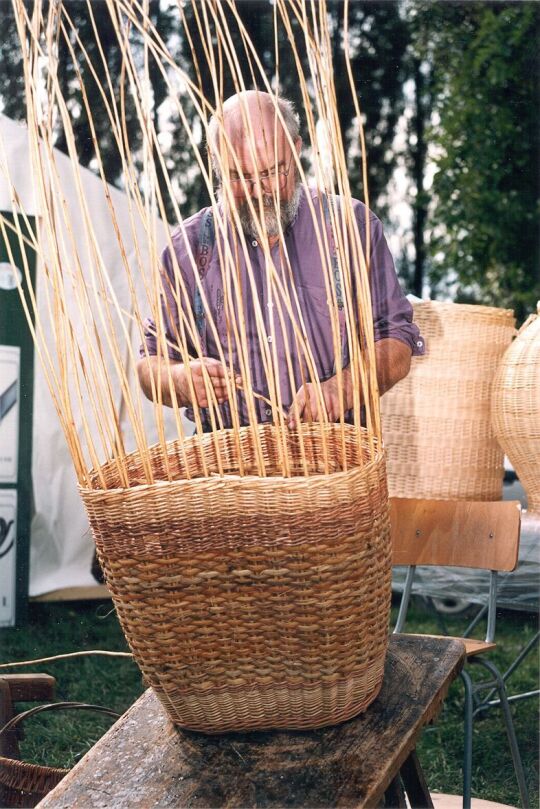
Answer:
(97, 56)
(486, 141)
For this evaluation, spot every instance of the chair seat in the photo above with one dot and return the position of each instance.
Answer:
(472, 645)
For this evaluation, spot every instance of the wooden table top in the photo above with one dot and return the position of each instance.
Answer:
(144, 761)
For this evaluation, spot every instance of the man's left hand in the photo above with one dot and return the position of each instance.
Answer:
(393, 361)
(307, 401)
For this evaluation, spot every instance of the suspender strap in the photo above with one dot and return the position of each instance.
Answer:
(207, 237)
(336, 276)
(205, 246)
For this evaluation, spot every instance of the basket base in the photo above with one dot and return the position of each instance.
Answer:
(275, 707)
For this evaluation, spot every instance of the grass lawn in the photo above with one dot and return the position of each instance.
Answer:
(61, 738)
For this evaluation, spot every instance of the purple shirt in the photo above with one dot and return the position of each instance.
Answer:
(392, 312)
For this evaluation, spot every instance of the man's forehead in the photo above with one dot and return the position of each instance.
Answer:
(263, 131)
(258, 153)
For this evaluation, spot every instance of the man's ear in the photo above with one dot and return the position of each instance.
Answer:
(298, 145)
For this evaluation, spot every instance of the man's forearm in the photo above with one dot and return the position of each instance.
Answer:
(198, 382)
(155, 374)
(393, 361)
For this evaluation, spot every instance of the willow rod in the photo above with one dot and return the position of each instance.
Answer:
(95, 353)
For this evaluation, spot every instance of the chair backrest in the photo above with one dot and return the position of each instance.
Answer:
(458, 533)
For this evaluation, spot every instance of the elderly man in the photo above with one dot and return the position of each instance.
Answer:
(264, 168)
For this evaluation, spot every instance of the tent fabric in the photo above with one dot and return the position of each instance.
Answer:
(61, 544)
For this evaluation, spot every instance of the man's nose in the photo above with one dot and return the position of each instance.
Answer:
(254, 187)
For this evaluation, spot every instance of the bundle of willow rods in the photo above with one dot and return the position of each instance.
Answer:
(250, 566)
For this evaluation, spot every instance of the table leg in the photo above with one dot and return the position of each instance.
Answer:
(394, 797)
(415, 782)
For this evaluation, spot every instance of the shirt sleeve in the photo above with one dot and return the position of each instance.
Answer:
(392, 312)
(173, 294)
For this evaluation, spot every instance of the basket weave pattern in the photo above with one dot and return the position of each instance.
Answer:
(253, 602)
(516, 408)
(23, 784)
(437, 421)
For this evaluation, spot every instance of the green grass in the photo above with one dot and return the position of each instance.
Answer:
(60, 739)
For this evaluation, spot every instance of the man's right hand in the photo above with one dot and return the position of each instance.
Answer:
(187, 393)
(212, 369)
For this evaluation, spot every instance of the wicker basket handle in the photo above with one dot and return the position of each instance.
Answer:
(20, 717)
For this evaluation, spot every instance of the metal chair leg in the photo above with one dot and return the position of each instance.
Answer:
(509, 724)
(467, 742)
(487, 702)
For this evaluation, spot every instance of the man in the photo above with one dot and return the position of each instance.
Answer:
(262, 167)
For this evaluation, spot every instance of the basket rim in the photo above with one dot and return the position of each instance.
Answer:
(466, 309)
(220, 479)
(28, 767)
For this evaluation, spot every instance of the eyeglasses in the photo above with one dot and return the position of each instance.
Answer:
(268, 180)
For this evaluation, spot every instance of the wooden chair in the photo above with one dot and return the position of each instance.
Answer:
(481, 535)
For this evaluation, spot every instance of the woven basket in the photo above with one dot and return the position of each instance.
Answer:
(516, 407)
(436, 422)
(23, 784)
(252, 602)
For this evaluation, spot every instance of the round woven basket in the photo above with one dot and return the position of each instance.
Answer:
(437, 421)
(252, 602)
(516, 407)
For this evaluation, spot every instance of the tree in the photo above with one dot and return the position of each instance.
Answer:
(92, 72)
(485, 235)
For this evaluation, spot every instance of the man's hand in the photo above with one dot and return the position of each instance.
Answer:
(393, 361)
(306, 400)
(214, 371)
(152, 372)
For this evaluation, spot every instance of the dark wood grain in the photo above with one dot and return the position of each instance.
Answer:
(144, 761)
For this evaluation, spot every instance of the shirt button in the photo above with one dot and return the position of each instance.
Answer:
(419, 344)
(268, 411)
(254, 243)
(269, 338)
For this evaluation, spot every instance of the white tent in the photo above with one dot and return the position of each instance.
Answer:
(61, 544)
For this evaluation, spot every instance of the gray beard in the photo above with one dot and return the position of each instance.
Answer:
(273, 224)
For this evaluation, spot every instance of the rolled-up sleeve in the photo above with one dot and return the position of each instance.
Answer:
(392, 312)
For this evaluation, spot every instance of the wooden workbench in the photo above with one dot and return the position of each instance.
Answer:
(144, 761)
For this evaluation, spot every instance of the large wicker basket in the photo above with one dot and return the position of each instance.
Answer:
(437, 421)
(252, 602)
(516, 407)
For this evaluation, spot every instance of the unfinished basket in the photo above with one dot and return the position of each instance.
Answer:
(516, 407)
(436, 422)
(252, 602)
